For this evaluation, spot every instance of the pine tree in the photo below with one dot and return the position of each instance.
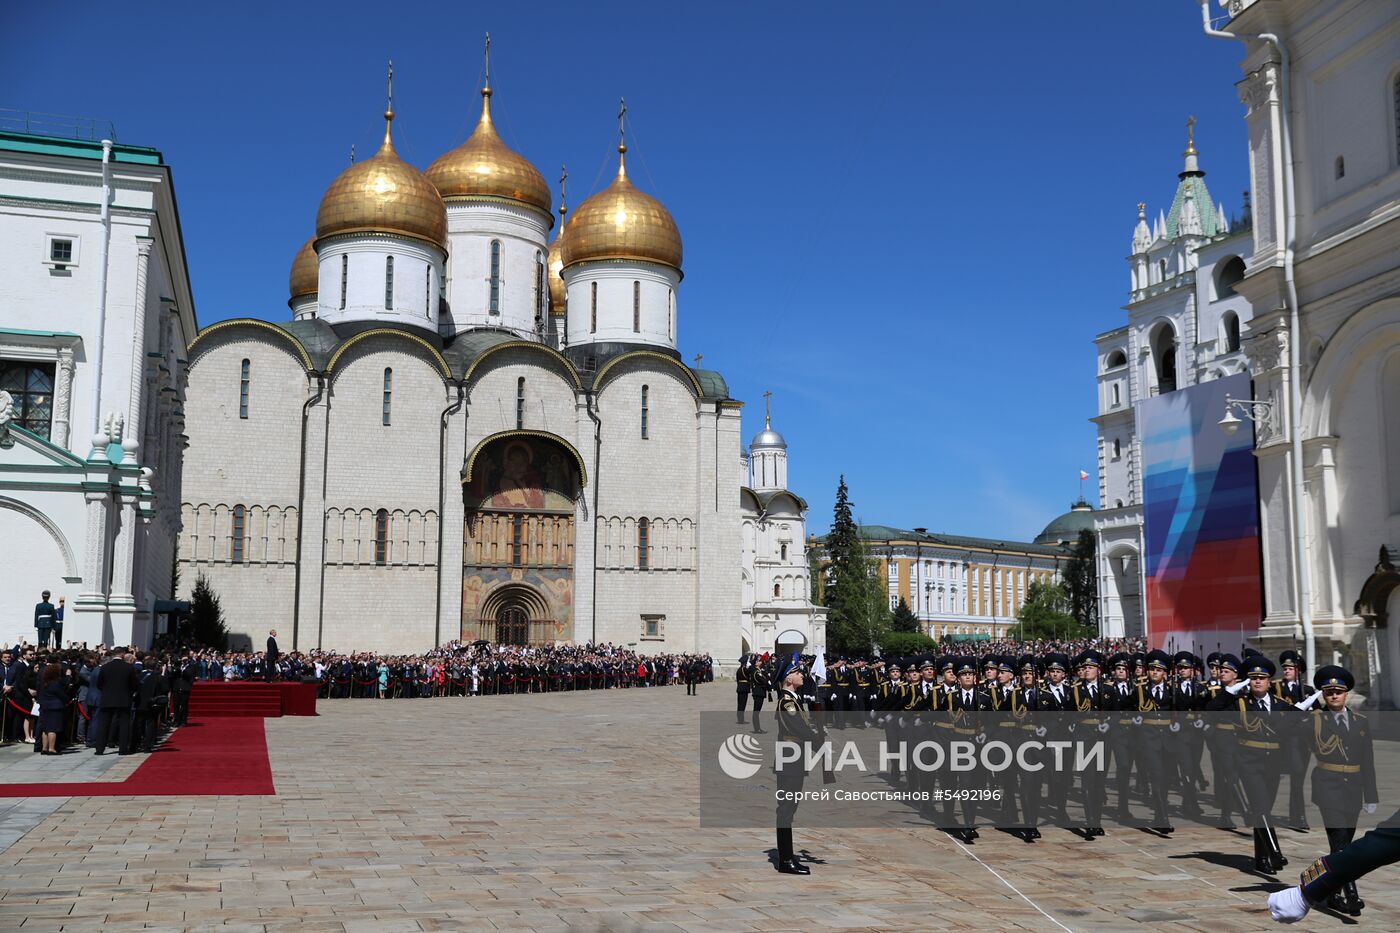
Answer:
(855, 594)
(844, 537)
(207, 615)
(903, 619)
(1082, 582)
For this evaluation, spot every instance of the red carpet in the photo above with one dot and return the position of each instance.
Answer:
(252, 698)
(220, 757)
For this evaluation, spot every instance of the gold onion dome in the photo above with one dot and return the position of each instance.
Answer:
(485, 167)
(621, 222)
(306, 271)
(555, 266)
(383, 194)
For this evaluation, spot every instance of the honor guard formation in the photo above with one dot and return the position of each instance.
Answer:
(1158, 714)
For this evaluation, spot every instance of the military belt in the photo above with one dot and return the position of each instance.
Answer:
(1266, 745)
(1156, 722)
(1341, 769)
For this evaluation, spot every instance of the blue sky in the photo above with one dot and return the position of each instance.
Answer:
(907, 220)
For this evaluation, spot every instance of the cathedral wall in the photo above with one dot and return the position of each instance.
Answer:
(549, 396)
(380, 582)
(523, 292)
(251, 462)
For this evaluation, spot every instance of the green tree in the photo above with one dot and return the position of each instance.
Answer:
(207, 615)
(902, 643)
(855, 595)
(903, 618)
(1045, 614)
(1082, 581)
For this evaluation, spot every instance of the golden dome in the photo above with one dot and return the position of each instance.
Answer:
(621, 222)
(306, 272)
(484, 166)
(555, 265)
(383, 194)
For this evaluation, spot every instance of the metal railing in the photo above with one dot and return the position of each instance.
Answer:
(61, 125)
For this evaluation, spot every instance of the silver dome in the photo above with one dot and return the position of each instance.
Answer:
(768, 438)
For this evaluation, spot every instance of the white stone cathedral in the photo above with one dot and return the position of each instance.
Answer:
(467, 431)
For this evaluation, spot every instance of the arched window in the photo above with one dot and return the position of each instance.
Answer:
(344, 278)
(782, 552)
(1162, 269)
(1231, 271)
(1164, 353)
(428, 289)
(1115, 359)
(1117, 449)
(541, 294)
(777, 590)
(520, 403)
(643, 544)
(494, 305)
(243, 380)
(1117, 398)
(593, 314)
(670, 314)
(636, 307)
(388, 393)
(517, 540)
(1232, 332)
(381, 537)
(1339, 167)
(646, 412)
(389, 283)
(238, 534)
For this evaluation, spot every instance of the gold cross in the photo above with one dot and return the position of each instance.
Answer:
(621, 128)
(767, 409)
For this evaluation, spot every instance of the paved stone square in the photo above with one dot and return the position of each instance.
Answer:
(571, 811)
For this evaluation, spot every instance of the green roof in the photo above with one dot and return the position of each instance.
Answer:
(1205, 207)
(711, 383)
(934, 539)
(77, 148)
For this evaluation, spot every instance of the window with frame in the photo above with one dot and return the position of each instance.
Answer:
(388, 283)
(517, 540)
(636, 307)
(61, 251)
(31, 387)
(520, 403)
(388, 394)
(381, 537)
(646, 412)
(643, 544)
(777, 590)
(782, 552)
(238, 533)
(494, 305)
(428, 289)
(1117, 449)
(670, 314)
(1395, 95)
(344, 279)
(244, 387)
(539, 288)
(651, 626)
(593, 313)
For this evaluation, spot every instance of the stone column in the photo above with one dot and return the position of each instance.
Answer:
(137, 390)
(124, 552)
(63, 397)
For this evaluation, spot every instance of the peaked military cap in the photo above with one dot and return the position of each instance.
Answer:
(1333, 675)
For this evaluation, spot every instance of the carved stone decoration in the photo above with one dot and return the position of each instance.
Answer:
(63, 398)
(7, 414)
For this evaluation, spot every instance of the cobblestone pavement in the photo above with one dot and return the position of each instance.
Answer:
(577, 812)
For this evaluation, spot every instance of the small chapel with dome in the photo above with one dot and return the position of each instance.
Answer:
(468, 431)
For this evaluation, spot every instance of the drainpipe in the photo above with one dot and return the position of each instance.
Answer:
(455, 407)
(106, 211)
(1295, 369)
(597, 475)
(301, 506)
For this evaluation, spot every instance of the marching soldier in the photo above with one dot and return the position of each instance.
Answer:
(794, 725)
(1092, 701)
(1150, 706)
(742, 686)
(760, 682)
(1054, 697)
(1261, 730)
(1189, 696)
(1121, 691)
(1296, 754)
(965, 703)
(1344, 781)
(1221, 737)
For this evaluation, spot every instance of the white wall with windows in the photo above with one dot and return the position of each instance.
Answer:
(496, 274)
(379, 277)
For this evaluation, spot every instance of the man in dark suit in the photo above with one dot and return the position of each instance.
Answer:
(183, 686)
(152, 697)
(272, 655)
(117, 681)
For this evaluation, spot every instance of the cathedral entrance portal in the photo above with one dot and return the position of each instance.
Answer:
(519, 490)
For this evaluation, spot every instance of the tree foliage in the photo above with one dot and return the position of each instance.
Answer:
(855, 595)
(207, 616)
(903, 618)
(1082, 582)
(895, 644)
(1045, 614)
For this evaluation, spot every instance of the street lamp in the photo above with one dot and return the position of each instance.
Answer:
(1259, 412)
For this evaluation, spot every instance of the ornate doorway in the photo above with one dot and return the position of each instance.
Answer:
(519, 490)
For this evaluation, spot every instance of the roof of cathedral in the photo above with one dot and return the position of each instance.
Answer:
(621, 222)
(1205, 210)
(764, 498)
(485, 167)
(890, 533)
(383, 194)
(1064, 529)
(306, 274)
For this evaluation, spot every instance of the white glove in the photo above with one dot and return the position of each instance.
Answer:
(1198, 723)
(1288, 905)
(1040, 732)
(980, 738)
(1103, 727)
(1137, 720)
(1175, 726)
(1370, 808)
(1238, 687)
(1308, 703)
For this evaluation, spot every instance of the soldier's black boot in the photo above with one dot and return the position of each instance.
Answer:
(1354, 902)
(1262, 862)
(787, 862)
(759, 729)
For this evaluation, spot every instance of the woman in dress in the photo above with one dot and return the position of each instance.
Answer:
(52, 697)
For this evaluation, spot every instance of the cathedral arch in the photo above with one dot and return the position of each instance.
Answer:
(1374, 329)
(294, 346)
(54, 532)
(555, 360)
(469, 468)
(666, 360)
(1229, 272)
(392, 333)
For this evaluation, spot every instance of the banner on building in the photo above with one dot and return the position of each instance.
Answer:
(1201, 520)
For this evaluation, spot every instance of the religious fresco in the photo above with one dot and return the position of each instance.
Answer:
(548, 595)
(522, 473)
